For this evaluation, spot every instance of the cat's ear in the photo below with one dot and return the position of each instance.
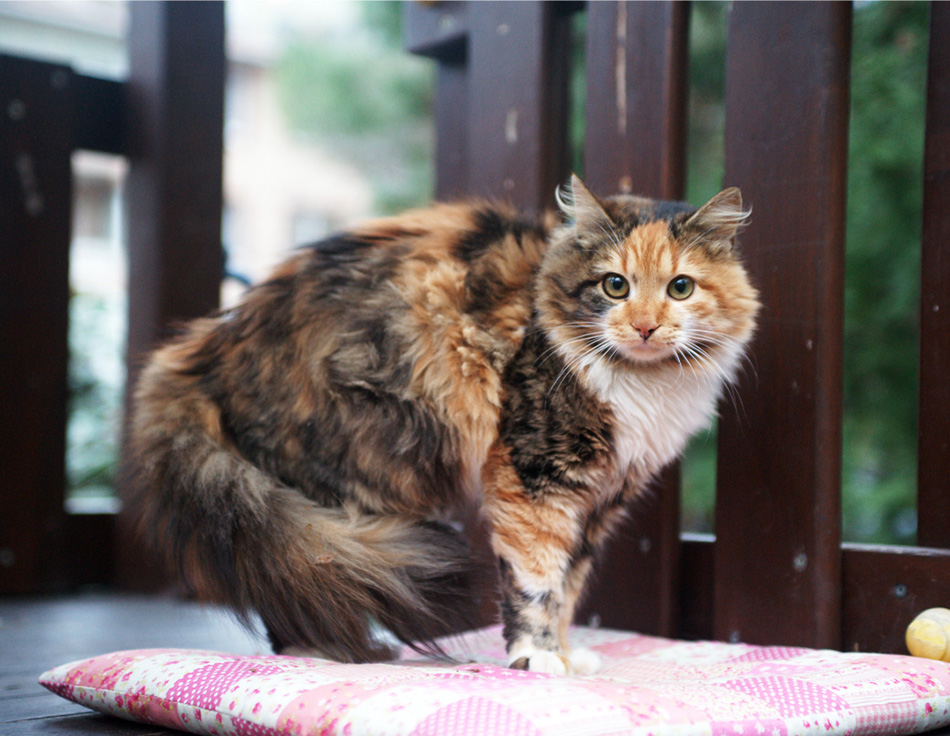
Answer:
(718, 221)
(581, 206)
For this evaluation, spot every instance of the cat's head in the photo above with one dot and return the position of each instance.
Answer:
(634, 281)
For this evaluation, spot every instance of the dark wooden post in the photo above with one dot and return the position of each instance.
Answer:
(501, 101)
(778, 557)
(933, 497)
(175, 97)
(36, 142)
(517, 101)
(636, 108)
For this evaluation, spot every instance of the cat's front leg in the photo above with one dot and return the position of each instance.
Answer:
(538, 540)
(536, 620)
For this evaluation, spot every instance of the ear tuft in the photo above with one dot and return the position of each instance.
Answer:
(719, 220)
(580, 205)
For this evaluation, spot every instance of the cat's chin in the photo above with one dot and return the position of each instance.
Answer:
(647, 353)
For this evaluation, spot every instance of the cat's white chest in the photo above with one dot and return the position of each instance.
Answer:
(654, 415)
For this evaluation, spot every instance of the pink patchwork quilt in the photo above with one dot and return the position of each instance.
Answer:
(647, 686)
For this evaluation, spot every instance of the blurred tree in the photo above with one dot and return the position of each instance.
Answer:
(885, 181)
(366, 98)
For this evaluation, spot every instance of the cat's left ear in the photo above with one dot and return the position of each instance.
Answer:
(580, 205)
(718, 221)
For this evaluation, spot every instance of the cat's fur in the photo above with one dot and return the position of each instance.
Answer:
(300, 453)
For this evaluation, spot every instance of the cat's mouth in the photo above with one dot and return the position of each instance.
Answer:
(647, 351)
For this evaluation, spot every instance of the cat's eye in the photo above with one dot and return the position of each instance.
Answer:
(681, 287)
(616, 286)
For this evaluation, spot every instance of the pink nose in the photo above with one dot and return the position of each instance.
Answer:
(645, 330)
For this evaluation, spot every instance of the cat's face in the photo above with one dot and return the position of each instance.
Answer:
(632, 281)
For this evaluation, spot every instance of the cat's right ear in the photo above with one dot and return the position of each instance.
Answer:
(719, 220)
(580, 206)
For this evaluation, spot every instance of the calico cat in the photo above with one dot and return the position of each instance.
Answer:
(300, 455)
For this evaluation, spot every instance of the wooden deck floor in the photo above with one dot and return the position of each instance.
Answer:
(36, 634)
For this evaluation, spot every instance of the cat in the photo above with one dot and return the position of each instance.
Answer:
(301, 454)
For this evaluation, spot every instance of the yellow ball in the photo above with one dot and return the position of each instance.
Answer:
(929, 634)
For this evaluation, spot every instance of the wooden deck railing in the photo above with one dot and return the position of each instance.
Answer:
(776, 571)
(167, 119)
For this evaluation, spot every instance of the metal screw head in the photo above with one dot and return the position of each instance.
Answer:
(16, 109)
(800, 562)
(900, 590)
(60, 79)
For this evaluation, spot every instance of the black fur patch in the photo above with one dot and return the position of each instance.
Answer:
(551, 423)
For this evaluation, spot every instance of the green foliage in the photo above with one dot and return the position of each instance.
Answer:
(889, 64)
(96, 380)
(369, 100)
(707, 84)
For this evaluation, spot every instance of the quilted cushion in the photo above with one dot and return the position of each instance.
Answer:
(647, 686)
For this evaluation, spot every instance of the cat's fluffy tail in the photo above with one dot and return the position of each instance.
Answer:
(315, 575)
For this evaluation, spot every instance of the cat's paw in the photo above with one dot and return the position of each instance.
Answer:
(584, 662)
(538, 660)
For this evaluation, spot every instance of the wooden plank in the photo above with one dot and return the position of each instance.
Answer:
(451, 134)
(440, 31)
(437, 30)
(636, 98)
(885, 588)
(517, 101)
(174, 185)
(697, 563)
(90, 541)
(933, 496)
(87, 723)
(36, 140)
(778, 560)
(636, 105)
(99, 114)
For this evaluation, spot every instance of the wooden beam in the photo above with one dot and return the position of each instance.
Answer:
(99, 114)
(517, 102)
(883, 589)
(636, 105)
(36, 143)
(933, 496)
(437, 30)
(175, 111)
(636, 98)
(778, 510)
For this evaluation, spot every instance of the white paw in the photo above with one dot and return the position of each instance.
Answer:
(584, 662)
(538, 660)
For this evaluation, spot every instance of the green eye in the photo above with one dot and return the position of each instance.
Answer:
(616, 286)
(681, 287)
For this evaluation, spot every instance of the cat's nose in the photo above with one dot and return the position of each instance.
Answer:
(645, 330)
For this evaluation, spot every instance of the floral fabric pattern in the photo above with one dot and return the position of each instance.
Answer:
(647, 686)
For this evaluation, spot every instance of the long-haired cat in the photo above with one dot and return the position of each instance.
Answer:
(300, 454)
